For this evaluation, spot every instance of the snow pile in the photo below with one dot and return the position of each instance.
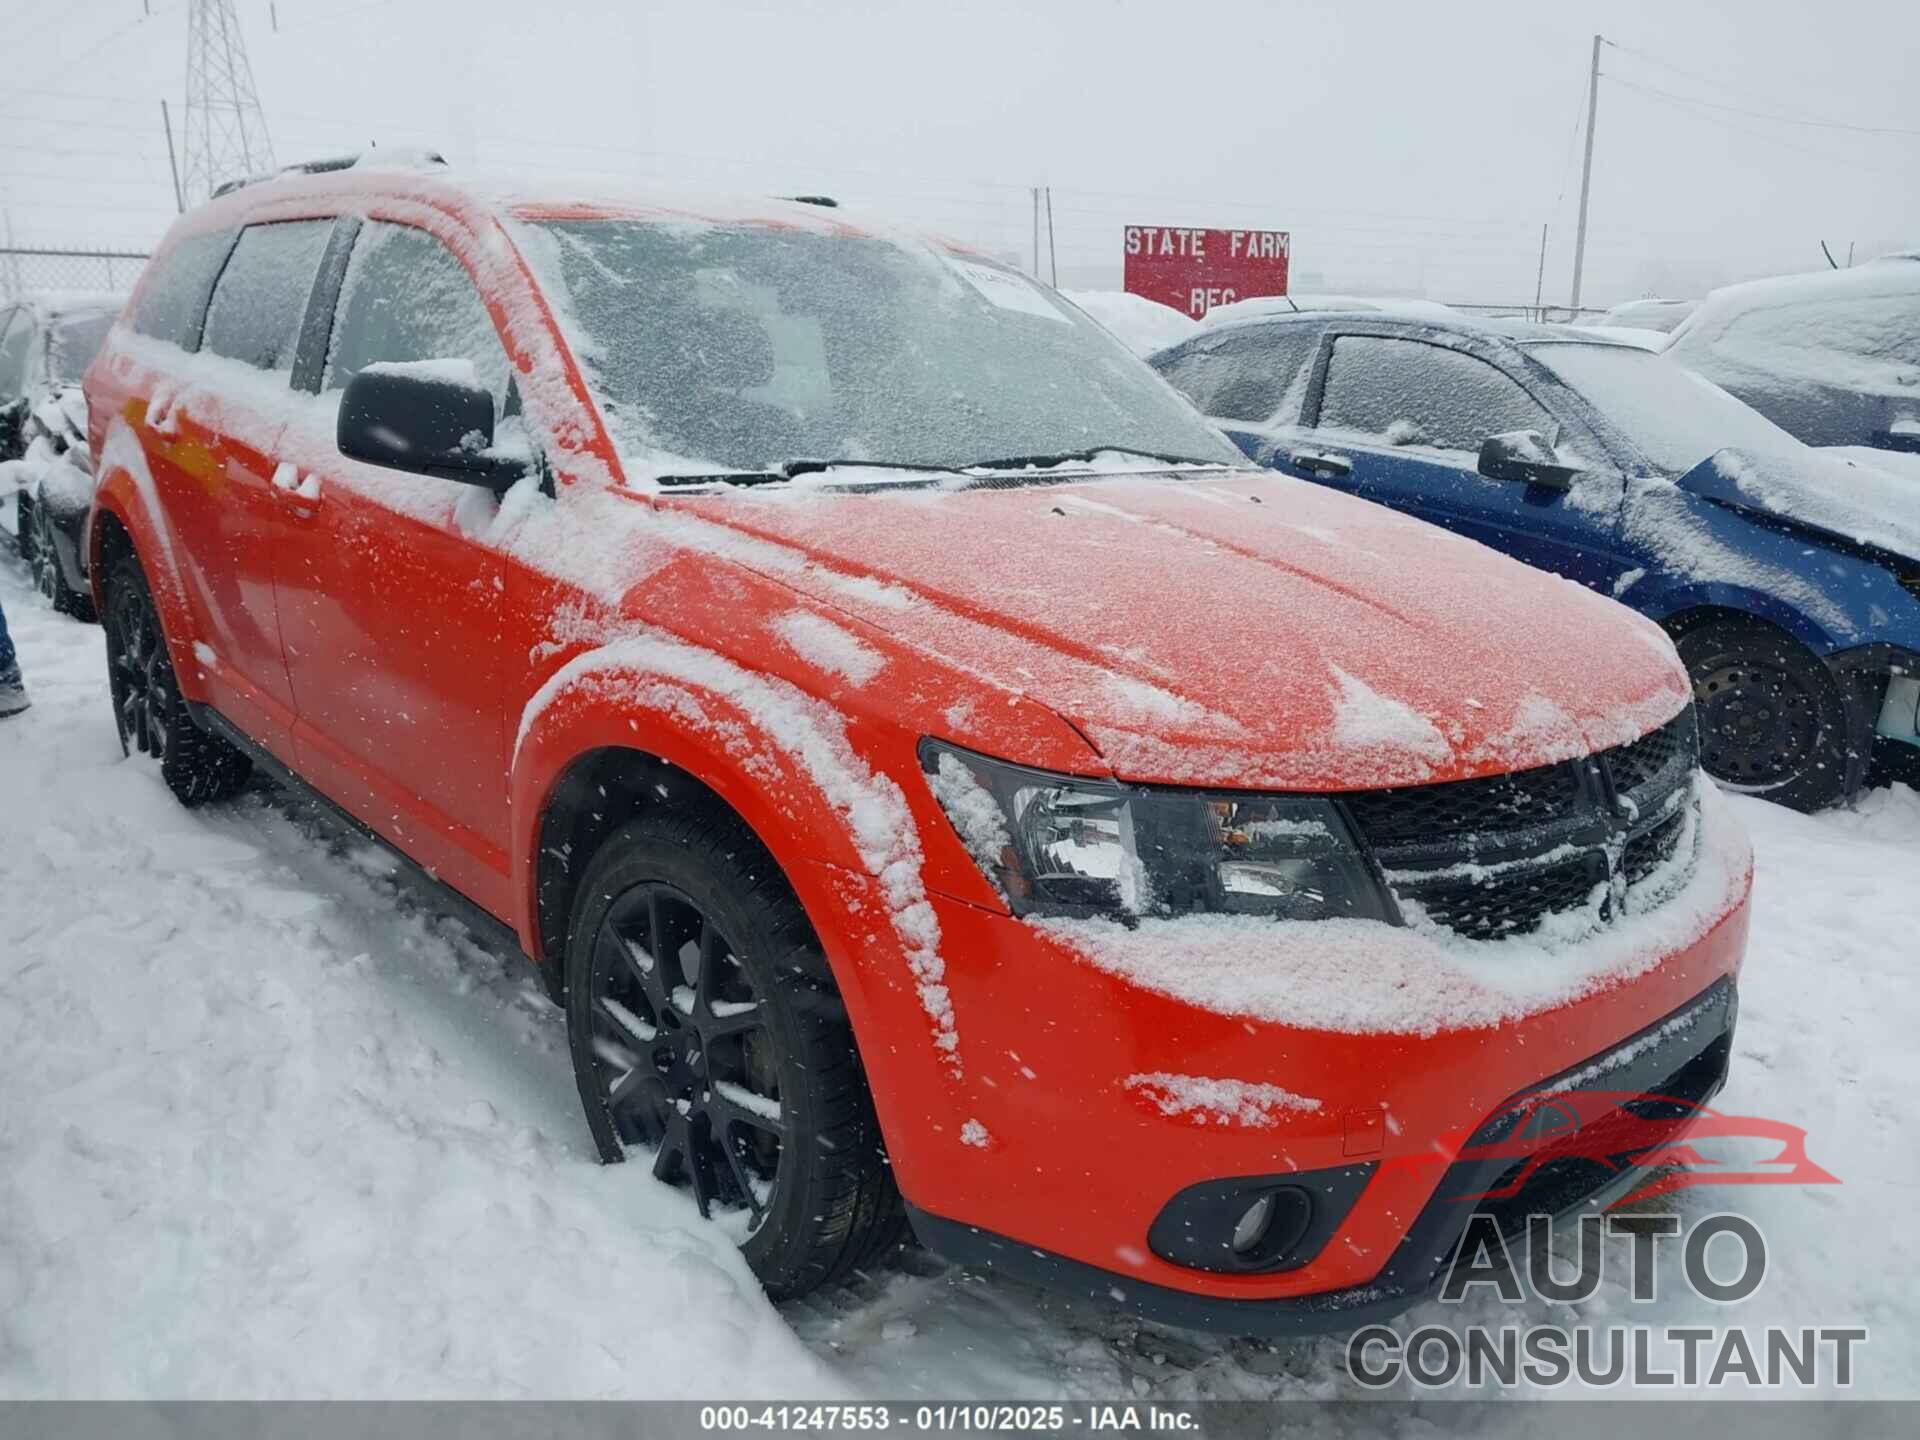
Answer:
(1144, 326)
(1202, 1100)
(1903, 465)
(1853, 501)
(1365, 720)
(649, 671)
(819, 641)
(274, 1129)
(1367, 977)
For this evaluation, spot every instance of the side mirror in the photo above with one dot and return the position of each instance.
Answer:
(430, 417)
(1525, 455)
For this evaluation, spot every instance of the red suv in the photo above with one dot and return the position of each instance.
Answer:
(939, 781)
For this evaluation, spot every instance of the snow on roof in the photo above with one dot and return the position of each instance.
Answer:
(1144, 326)
(1264, 306)
(1860, 282)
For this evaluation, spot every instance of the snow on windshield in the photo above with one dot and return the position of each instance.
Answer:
(1673, 416)
(737, 348)
(73, 342)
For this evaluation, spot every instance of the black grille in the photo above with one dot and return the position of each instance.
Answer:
(1417, 813)
(1493, 909)
(1541, 841)
(1647, 852)
(1655, 754)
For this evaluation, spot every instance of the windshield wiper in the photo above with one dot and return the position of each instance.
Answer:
(721, 477)
(794, 468)
(820, 467)
(1064, 457)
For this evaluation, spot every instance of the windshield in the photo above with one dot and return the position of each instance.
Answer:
(1674, 417)
(74, 341)
(744, 348)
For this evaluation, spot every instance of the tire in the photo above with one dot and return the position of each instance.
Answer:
(44, 560)
(740, 1077)
(151, 714)
(1774, 720)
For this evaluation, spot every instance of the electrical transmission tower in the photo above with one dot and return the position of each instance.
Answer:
(226, 132)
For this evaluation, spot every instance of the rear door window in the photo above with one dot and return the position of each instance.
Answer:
(262, 294)
(406, 296)
(1407, 392)
(173, 301)
(1241, 376)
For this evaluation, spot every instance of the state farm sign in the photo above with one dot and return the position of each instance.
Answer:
(1195, 270)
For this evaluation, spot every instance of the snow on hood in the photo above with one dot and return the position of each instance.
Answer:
(1815, 491)
(1231, 628)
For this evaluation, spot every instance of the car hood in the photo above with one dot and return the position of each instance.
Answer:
(1235, 628)
(1819, 494)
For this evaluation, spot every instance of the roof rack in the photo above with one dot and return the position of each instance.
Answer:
(328, 164)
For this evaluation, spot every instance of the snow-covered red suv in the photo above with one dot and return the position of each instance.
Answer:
(939, 780)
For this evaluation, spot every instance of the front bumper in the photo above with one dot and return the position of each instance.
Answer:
(1093, 1090)
(1683, 1056)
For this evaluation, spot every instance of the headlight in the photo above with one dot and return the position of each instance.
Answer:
(1059, 845)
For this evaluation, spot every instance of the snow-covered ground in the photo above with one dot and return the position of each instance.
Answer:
(270, 1126)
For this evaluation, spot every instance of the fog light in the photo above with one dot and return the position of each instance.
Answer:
(1253, 1225)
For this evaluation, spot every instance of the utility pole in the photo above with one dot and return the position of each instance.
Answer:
(226, 132)
(1586, 178)
(1036, 232)
(173, 162)
(1540, 277)
(1053, 260)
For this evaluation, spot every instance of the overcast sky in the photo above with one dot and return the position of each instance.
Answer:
(1412, 147)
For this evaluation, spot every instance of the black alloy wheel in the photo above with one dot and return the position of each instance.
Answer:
(708, 1042)
(683, 1054)
(148, 708)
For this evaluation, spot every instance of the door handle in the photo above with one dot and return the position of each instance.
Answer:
(1325, 466)
(288, 481)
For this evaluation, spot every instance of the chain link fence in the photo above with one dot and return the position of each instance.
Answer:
(24, 269)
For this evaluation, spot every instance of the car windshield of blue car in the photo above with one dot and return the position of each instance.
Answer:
(749, 347)
(1671, 415)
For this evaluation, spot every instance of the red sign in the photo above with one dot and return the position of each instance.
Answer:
(1195, 270)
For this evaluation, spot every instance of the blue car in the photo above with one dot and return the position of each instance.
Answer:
(1788, 579)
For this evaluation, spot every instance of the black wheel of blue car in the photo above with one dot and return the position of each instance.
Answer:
(148, 708)
(1774, 720)
(707, 1044)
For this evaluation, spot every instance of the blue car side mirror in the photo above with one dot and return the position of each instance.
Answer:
(1525, 456)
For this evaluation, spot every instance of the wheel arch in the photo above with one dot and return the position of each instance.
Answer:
(596, 793)
(1687, 608)
(654, 714)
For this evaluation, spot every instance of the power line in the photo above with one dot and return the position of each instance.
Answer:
(1692, 107)
(1813, 122)
(1763, 115)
